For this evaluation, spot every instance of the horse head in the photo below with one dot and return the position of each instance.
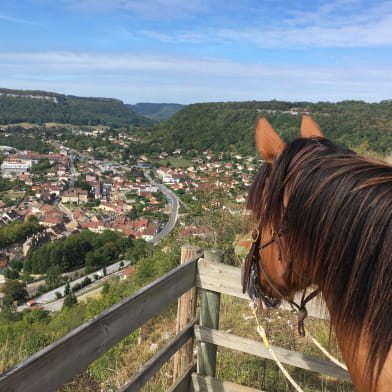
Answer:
(272, 276)
(323, 217)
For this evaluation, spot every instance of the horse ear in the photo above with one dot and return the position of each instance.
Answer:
(309, 128)
(268, 142)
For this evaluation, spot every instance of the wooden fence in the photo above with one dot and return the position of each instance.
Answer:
(59, 362)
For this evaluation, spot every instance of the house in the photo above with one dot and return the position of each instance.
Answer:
(50, 220)
(150, 231)
(192, 230)
(8, 217)
(95, 227)
(75, 196)
(3, 262)
(240, 199)
(128, 272)
(61, 170)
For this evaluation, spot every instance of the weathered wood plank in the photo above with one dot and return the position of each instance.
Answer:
(183, 383)
(57, 363)
(209, 317)
(253, 347)
(226, 279)
(186, 311)
(158, 360)
(219, 277)
(210, 384)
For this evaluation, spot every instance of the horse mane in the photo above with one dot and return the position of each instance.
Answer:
(334, 210)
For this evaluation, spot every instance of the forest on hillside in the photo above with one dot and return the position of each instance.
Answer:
(229, 126)
(17, 106)
(156, 111)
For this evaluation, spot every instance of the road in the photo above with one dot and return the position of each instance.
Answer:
(74, 173)
(64, 210)
(57, 305)
(171, 199)
(51, 296)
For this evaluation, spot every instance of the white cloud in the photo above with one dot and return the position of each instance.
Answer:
(135, 77)
(337, 24)
(345, 35)
(12, 19)
(150, 9)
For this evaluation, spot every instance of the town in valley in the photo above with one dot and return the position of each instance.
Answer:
(142, 196)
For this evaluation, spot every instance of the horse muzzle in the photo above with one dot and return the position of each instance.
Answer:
(256, 292)
(270, 302)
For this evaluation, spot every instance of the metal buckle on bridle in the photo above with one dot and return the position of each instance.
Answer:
(255, 235)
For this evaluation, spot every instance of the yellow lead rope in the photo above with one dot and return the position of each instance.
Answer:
(261, 332)
(324, 351)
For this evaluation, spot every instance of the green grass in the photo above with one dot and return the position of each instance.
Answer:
(176, 162)
(114, 368)
(14, 195)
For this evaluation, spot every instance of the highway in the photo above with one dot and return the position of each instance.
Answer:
(172, 199)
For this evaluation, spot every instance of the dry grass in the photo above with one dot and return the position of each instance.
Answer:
(96, 293)
(281, 328)
(232, 366)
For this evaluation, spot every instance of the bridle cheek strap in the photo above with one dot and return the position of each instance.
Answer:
(251, 285)
(302, 313)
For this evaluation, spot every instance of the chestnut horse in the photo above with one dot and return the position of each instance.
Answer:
(323, 218)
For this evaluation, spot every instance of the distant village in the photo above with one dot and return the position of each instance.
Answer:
(63, 208)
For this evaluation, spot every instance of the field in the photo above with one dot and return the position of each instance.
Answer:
(176, 162)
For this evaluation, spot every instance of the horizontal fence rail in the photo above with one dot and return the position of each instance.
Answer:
(57, 363)
(288, 357)
(226, 279)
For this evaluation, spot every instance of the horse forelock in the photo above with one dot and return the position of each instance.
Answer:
(336, 210)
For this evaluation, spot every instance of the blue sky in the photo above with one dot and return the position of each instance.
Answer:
(188, 51)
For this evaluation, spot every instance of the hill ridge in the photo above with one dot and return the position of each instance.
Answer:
(36, 106)
(229, 126)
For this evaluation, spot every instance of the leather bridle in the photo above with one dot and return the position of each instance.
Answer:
(251, 270)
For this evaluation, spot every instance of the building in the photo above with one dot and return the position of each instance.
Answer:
(75, 196)
(14, 168)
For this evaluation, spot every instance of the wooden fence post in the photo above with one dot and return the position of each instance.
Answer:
(209, 317)
(186, 311)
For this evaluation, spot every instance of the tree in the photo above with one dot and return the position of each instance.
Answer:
(69, 301)
(11, 274)
(132, 213)
(53, 277)
(14, 291)
(67, 289)
(82, 184)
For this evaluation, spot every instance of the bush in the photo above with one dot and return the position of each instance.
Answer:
(58, 295)
(86, 281)
(76, 287)
(105, 288)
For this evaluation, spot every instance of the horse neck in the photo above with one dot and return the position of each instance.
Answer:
(357, 364)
